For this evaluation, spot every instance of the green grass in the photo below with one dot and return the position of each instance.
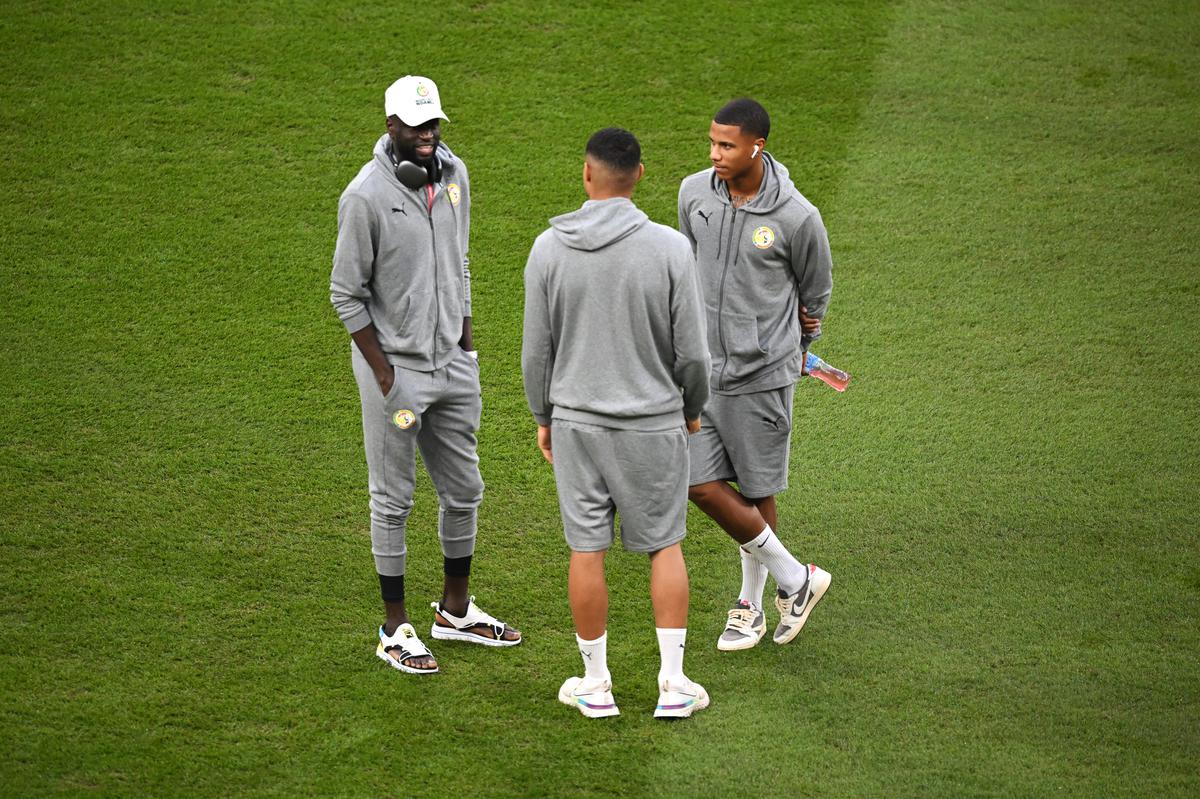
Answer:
(1006, 496)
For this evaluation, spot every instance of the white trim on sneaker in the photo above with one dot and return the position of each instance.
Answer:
(593, 698)
(407, 645)
(461, 629)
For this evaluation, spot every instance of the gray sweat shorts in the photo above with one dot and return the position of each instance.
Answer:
(601, 471)
(745, 438)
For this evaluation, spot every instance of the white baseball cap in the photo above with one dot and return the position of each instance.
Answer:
(414, 99)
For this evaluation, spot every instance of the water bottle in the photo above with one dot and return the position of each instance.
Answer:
(830, 375)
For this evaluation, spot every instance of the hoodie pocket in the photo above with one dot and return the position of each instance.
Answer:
(415, 323)
(742, 349)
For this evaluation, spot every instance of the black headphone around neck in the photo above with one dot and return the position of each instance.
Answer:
(414, 175)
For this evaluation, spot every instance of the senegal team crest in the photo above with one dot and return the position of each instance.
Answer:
(404, 418)
(422, 90)
(763, 237)
(455, 193)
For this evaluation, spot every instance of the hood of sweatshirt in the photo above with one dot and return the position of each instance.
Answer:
(598, 223)
(383, 157)
(777, 187)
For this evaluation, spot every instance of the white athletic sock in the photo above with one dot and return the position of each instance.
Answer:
(595, 657)
(671, 641)
(768, 550)
(754, 579)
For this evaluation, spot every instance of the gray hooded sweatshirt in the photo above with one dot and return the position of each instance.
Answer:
(758, 265)
(403, 265)
(614, 332)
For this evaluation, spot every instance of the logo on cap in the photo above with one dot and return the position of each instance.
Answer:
(404, 418)
(422, 90)
(763, 237)
(454, 192)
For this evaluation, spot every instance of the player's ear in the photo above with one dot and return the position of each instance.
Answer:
(641, 171)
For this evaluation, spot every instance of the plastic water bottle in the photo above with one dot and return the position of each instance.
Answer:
(830, 375)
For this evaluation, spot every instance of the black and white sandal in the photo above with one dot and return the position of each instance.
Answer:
(406, 643)
(474, 626)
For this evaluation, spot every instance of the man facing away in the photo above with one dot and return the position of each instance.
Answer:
(402, 287)
(766, 276)
(616, 367)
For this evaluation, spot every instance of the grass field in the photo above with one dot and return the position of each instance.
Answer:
(1006, 496)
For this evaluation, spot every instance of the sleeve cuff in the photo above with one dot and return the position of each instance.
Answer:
(357, 321)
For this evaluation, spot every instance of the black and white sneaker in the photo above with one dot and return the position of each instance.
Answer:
(746, 626)
(794, 608)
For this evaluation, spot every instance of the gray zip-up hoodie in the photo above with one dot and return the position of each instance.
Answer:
(403, 265)
(614, 332)
(758, 265)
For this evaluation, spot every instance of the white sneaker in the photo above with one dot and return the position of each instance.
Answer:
(680, 700)
(794, 608)
(474, 626)
(593, 698)
(746, 626)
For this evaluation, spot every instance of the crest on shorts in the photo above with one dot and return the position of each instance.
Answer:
(404, 418)
(455, 193)
(763, 237)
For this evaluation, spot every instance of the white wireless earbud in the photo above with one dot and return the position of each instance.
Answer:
(755, 153)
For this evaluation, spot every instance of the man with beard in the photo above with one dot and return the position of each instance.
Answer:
(766, 276)
(402, 287)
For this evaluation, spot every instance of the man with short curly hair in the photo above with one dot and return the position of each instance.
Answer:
(765, 273)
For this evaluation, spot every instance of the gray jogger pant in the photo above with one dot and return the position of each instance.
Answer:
(438, 413)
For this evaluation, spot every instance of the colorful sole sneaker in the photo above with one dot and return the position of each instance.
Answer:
(474, 626)
(794, 608)
(592, 698)
(746, 626)
(680, 700)
(406, 646)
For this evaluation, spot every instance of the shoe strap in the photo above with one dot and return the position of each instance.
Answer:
(409, 646)
(473, 616)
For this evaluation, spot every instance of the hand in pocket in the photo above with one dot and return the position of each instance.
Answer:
(386, 380)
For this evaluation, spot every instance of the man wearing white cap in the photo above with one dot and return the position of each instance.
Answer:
(402, 287)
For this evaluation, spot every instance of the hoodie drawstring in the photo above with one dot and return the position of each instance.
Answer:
(721, 231)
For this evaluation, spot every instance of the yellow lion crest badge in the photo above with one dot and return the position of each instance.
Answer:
(404, 418)
(454, 192)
